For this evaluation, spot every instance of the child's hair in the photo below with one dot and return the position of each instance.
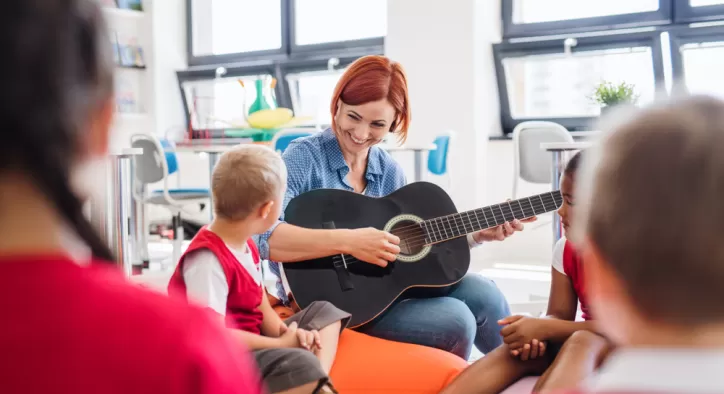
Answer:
(573, 164)
(244, 178)
(654, 209)
(57, 70)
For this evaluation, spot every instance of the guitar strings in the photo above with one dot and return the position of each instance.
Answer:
(444, 232)
(349, 259)
(414, 227)
(498, 206)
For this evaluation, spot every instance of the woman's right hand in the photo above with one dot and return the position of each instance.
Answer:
(372, 245)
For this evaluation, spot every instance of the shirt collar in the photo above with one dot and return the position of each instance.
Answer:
(661, 371)
(335, 160)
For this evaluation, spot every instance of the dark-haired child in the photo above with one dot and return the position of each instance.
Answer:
(565, 351)
(69, 322)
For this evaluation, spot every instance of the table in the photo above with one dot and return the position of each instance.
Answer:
(557, 150)
(418, 149)
(112, 213)
(213, 149)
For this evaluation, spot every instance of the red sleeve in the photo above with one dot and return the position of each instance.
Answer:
(217, 364)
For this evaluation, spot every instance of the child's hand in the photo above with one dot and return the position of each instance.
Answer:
(530, 351)
(309, 340)
(522, 330)
(288, 337)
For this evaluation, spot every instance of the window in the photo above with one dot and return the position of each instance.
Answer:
(535, 11)
(227, 27)
(698, 10)
(335, 21)
(222, 103)
(539, 80)
(703, 3)
(535, 17)
(698, 59)
(550, 86)
(311, 95)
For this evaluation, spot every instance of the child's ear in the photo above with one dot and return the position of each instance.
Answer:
(265, 209)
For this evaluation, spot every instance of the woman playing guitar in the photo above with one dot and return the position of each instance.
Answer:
(370, 101)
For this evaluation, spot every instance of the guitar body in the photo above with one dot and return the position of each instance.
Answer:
(370, 289)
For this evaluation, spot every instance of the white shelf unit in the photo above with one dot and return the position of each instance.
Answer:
(133, 84)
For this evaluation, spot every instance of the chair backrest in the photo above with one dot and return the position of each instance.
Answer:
(437, 158)
(282, 138)
(153, 165)
(530, 162)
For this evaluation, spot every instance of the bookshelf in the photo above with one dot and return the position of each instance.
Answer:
(131, 33)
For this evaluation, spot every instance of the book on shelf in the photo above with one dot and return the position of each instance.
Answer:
(134, 5)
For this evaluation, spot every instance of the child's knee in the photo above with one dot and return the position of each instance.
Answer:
(585, 340)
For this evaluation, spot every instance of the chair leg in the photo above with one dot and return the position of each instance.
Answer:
(178, 237)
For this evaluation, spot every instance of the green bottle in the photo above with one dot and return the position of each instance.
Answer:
(264, 96)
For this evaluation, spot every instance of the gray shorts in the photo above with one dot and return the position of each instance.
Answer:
(284, 369)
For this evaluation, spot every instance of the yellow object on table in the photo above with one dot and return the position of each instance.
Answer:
(270, 118)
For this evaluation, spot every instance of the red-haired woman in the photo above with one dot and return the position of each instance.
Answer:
(369, 102)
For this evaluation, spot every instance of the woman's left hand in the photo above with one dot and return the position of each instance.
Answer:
(501, 232)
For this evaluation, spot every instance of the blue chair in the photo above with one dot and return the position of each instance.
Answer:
(282, 138)
(157, 163)
(437, 159)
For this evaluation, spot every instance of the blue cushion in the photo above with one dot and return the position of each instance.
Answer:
(170, 154)
(283, 141)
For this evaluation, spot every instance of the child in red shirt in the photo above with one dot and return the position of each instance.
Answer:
(220, 270)
(557, 346)
(72, 324)
(651, 225)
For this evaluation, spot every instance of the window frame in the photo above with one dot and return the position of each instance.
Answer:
(529, 47)
(664, 15)
(681, 36)
(271, 54)
(685, 13)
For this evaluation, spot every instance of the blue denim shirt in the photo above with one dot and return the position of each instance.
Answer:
(316, 162)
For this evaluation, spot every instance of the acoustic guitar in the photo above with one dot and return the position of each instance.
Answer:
(434, 252)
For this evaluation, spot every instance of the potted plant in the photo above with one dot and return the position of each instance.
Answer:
(609, 94)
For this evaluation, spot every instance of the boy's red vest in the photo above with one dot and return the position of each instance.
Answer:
(242, 304)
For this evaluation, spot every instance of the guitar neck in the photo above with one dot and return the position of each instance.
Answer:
(463, 223)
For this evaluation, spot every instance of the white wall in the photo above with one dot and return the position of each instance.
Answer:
(445, 48)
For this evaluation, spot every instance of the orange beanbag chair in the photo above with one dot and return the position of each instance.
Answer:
(366, 364)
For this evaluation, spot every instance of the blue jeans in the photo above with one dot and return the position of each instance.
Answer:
(467, 314)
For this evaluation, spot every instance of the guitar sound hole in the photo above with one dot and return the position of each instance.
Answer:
(412, 237)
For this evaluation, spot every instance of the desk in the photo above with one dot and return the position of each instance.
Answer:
(418, 149)
(213, 149)
(112, 213)
(558, 149)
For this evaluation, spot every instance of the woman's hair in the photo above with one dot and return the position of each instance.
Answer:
(374, 78)
(650, 200)
(56, 72)
(573, 164)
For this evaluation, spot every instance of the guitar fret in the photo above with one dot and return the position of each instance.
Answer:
(428, 237)
(434, 221)
(525, 215)
(480, 226)
(532, 208)
(487, 225)
(511, 210)
(442, 223)
(541, 201)
(452, 230)
(502, 213)
(492, 214)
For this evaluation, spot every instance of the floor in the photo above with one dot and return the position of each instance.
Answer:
(520, 266)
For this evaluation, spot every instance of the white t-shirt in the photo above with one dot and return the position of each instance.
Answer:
(206, 281)
(558, 255)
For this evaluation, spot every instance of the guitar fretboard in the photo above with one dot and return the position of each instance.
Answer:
(463, 223)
